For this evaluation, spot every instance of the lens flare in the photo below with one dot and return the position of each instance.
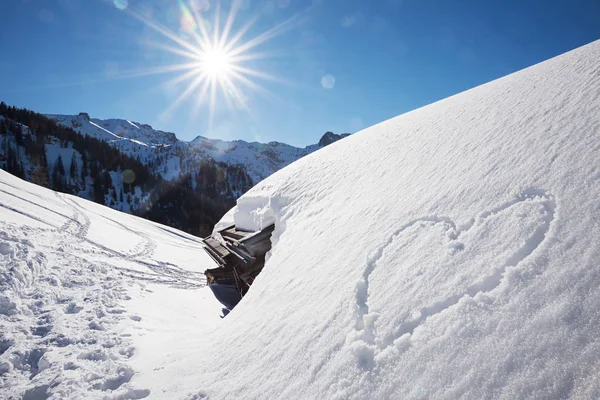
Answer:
(187, 21)
(120, 4)
(328, 81)
(128, 176)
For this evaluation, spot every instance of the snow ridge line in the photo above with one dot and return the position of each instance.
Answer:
(32, 203)
(366, 323)
(20, 189)
(26, 214)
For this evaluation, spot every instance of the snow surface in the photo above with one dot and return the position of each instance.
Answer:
(451, 252)
(80, 286)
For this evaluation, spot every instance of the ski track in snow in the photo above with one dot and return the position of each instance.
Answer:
(160, 271)
(63, 302)
(32, 203)
(366, 324)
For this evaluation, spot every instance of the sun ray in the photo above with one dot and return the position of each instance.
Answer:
(191, 74)
(192, 20)
(263, 75)
(163, 31)
(216, 23)
(183, 96)
(135, 73)
(202, 94)
(120, 75)
(277, 30)
(214, 57)
(235, 6)
(240, 33)
(258, 56)
(211, 105)
(257, 88)
(201, 27)
(230, 86)
(174, 50)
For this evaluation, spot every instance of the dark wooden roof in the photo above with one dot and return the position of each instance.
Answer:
(240, 256)
(245, 246)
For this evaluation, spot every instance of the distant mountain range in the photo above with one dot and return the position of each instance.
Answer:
(134, 168)
(170, 156)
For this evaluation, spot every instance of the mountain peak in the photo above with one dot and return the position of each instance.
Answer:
(330, 137)
(144, 142)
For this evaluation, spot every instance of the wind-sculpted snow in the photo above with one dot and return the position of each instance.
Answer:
(68, 269)
(450, 252)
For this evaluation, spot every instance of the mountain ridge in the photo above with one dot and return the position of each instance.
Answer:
(39, 150)
(137, 139)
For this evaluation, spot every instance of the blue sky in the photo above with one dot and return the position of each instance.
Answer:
(338, 65)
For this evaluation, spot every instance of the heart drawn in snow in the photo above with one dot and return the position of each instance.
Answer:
(430, 263)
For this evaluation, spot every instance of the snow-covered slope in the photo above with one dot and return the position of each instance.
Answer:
(451, 252)
(169, 154)
(260, 159)
(78, 282)
(116, 130)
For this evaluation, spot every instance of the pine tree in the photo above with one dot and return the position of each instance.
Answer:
(13, 163)
(18, 131)
(98, 191)
(106, 182)
(73, 170)
(84, 167)
(94, 170)
(40, 176)
(58, 175)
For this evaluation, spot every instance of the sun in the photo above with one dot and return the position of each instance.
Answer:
(216, 63)
(215, 56)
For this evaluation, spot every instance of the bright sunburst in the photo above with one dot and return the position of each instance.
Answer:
(214, 55)
(215, 63)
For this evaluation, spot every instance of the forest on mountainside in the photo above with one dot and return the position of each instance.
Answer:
(39, 150)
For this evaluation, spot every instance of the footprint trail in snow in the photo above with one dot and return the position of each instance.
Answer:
(64, 319)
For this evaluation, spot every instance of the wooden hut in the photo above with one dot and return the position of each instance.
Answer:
(240, 256)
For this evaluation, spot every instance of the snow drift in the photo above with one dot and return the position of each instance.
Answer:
(449, 252)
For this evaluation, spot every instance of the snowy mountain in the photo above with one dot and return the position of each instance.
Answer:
(116, 130)
(171, 157)
(39, 150)
(450, 252)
